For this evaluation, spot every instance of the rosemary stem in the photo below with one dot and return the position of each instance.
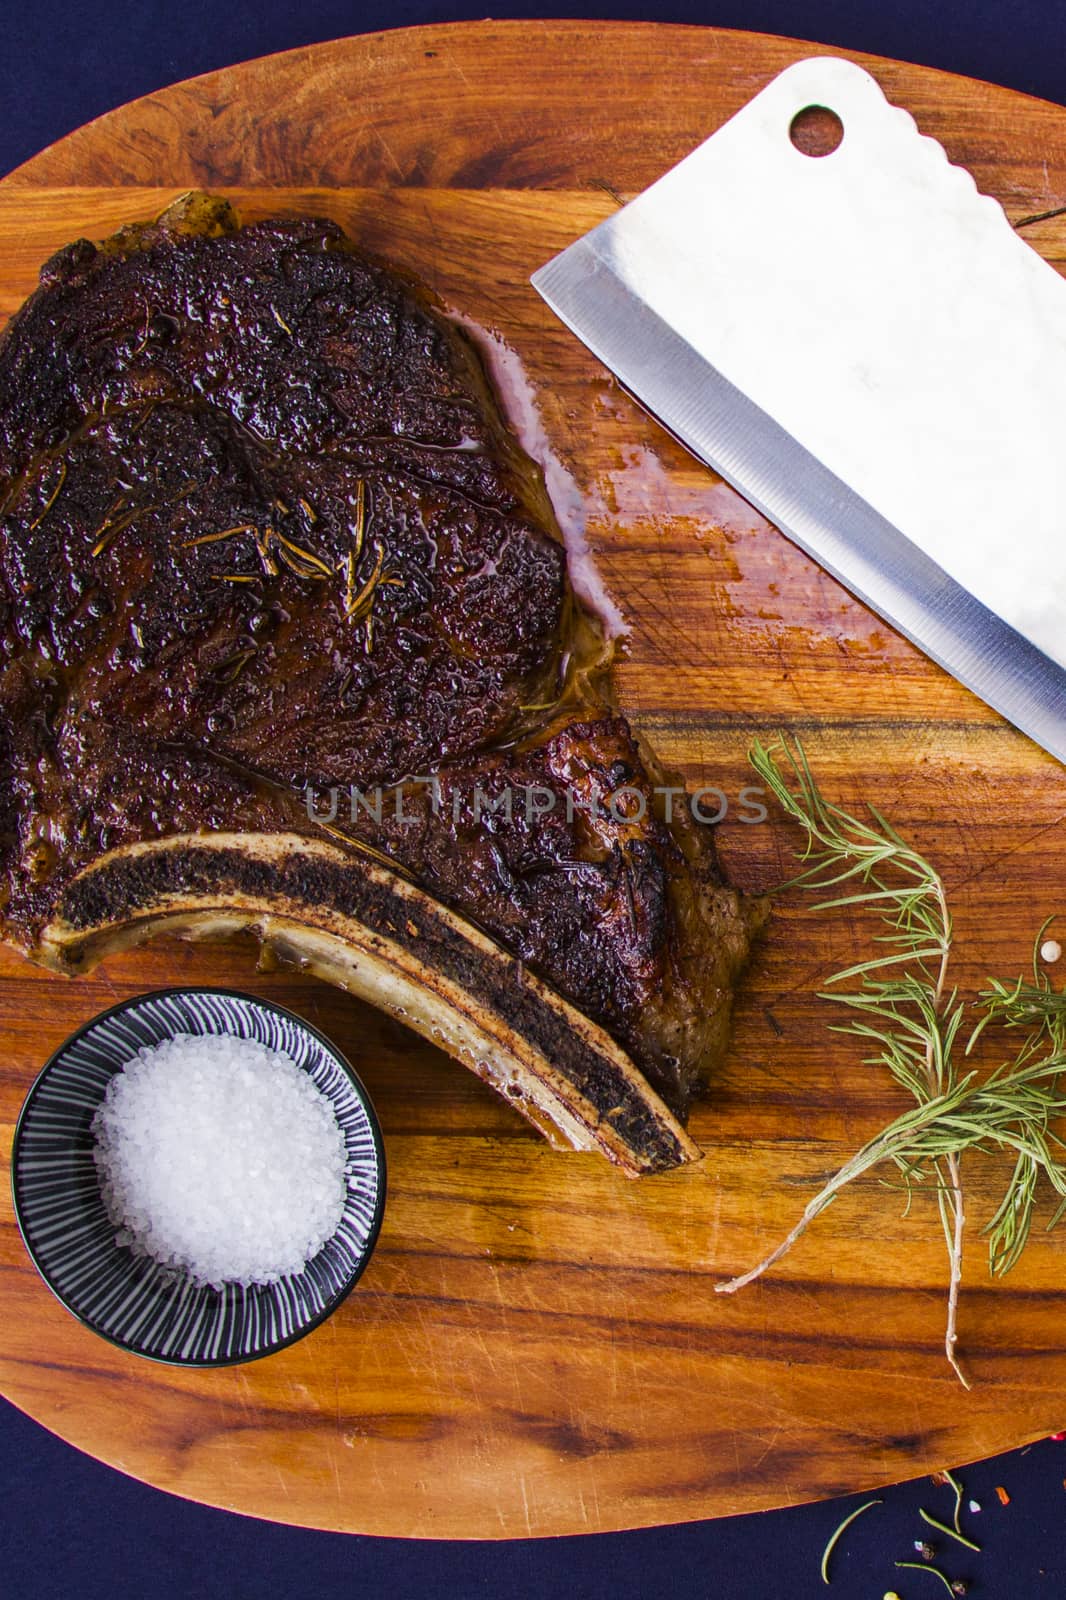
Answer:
(958, 1210)
(955, 1281)
(877, 1150)
(731, 1285)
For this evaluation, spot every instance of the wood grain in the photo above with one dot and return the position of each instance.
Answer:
(537, 1347)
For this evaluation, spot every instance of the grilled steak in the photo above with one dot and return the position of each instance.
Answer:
(265, 535)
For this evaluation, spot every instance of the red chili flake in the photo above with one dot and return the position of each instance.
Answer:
(1002, 1495)
(1058, 1437)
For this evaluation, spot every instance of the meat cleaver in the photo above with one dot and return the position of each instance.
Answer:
(865, 348)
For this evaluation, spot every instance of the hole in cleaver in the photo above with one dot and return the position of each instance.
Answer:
(816, 131)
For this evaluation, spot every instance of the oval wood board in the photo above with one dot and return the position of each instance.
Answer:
(537, 1347)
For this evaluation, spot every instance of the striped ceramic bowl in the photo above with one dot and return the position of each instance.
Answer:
(131, 1300)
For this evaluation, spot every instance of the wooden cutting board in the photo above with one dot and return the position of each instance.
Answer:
(537, 1347)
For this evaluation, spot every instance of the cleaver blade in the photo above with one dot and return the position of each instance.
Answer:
(863, 346)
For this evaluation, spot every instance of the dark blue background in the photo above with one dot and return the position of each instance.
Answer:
(69, 1527)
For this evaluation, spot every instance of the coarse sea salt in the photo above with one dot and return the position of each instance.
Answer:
(219, 1157)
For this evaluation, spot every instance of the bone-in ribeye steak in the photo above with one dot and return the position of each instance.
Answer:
(264, 528)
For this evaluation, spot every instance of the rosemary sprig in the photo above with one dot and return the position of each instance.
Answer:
(904, 1012)
(1031, 1004)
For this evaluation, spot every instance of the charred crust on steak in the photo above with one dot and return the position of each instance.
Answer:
(262, 527)
(163, 380)
(367, 907)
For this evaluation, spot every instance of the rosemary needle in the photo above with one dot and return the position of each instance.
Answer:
(223, 533)
(357, 604)
(920, 1566)
(305, 563)
(834, 1538)
(52, 498)
(952, 1533)
(950, 1478)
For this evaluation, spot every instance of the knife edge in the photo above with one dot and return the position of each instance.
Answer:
(834, 525)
